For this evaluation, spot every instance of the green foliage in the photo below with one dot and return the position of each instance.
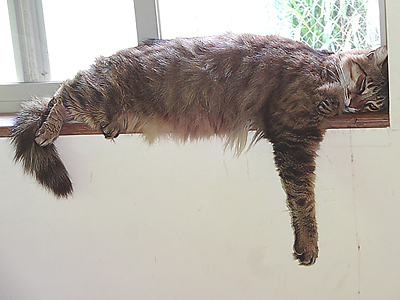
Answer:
(328, 24)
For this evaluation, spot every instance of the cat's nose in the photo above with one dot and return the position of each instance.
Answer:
(353, 107)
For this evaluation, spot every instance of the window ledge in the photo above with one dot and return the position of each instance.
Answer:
(366, 120)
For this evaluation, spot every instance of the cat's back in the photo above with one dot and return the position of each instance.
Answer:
(234, 45)
(224, 58)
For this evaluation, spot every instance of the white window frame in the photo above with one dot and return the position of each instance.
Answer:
(31, 54)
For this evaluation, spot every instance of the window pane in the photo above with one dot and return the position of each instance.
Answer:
(79, 31)
(334, 24)
(328, 24)
(7, 70)
(182, 18)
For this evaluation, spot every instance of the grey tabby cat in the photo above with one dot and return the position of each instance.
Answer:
(222, 85)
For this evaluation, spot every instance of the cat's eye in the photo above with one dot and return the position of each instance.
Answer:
(371, 107)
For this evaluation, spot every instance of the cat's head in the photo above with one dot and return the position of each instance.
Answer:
(365, 80)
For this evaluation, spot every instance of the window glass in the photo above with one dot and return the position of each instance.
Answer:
(79, 31)
(327, 24)
(7, 70)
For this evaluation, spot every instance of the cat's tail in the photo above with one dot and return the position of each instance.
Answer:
(37, 126)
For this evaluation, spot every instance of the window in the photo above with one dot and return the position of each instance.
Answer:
(329, 24)
(7, 72)
(46, 41)
(77, 36)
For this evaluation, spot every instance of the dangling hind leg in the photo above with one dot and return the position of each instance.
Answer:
(50, 129)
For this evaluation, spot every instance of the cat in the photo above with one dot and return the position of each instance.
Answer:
(191, 88)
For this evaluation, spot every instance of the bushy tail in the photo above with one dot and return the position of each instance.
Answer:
(42, 162)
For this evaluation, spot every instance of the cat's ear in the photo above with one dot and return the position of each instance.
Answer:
(380, 56)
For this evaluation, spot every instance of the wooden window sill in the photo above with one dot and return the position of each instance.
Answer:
(367, 120)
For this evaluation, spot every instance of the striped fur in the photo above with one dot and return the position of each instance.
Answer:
(200, 87)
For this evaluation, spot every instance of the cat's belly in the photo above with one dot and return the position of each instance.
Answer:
(193, 127)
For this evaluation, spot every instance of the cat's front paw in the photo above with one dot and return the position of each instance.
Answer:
(305, 252)
(328, 107)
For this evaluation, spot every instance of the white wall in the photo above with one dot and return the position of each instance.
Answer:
(190, 222)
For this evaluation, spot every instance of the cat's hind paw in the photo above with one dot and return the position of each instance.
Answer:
(110, 130)
(47, 133)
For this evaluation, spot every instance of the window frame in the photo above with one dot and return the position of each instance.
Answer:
(31, 53)
(32, 60)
